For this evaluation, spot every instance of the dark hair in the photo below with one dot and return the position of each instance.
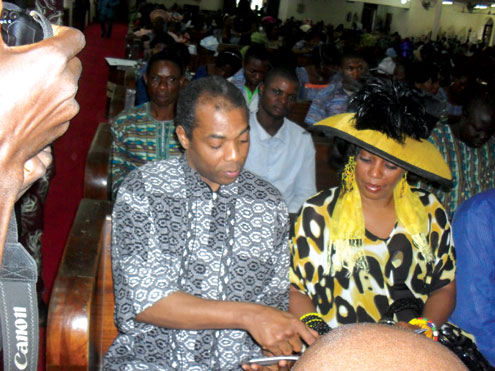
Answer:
(326, 54)
(165, 55)
(420, 72)
(391, 107)
(286, 73)
(231, 57)
(182, 51)
(352, 54)
(161, 38)
(256, 51)
(210, 89)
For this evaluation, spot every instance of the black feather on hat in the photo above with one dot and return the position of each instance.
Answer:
(392, 108)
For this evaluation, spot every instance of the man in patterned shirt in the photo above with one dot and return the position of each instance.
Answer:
(147, 132)
(200, 249)
(468, 146)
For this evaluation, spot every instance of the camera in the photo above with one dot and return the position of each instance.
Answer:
(21, 27)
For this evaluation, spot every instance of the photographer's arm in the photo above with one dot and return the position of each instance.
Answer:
(37, 99)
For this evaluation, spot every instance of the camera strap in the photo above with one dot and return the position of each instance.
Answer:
(18, 305)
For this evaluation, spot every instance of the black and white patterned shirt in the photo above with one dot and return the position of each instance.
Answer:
(172, 233)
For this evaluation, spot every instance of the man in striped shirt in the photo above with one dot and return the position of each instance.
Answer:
(469, 148)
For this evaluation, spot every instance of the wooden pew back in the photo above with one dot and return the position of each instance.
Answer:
(80, 315)
(97, 170)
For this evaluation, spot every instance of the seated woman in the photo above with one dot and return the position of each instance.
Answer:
(359, 248)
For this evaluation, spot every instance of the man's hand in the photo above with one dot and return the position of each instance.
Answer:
(278, 332)
(35, 168)
(37, 100)
(281, 366)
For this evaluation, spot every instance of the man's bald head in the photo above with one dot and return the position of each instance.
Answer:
(370, 346)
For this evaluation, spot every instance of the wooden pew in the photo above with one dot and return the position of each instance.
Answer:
(299, 111)
(326, 175)
(97, 170)
(80, 316)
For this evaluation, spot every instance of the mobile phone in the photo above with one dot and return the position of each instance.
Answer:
(268, 361)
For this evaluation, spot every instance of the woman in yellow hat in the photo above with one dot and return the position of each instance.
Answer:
(359, 248)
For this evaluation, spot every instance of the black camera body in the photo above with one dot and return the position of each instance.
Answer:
(21, 27)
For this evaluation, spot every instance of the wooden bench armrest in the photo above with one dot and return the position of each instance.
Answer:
(96, 172)
(71, 314)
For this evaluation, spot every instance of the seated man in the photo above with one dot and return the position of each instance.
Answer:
(200, 252)
(370, 346)
(333, 99)
(281, 151)
(147, 132)
(252, 73)
(468, 147)
(474, 239)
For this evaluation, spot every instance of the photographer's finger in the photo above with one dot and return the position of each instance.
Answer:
(69, 41)
(74, 70)
(45, 156)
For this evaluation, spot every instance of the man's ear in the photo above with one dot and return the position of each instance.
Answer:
(183, 138)
(261, 89)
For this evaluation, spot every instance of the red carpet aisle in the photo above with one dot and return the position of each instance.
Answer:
(70, 151)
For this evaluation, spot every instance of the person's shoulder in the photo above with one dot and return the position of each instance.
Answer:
(432, 205)
(324, 197)
(298, 133)
(484, 203)
(426, 197)
(156, 175)
(296, 129)
(129, 114)
(256, 188)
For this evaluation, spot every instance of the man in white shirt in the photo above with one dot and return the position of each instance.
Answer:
(281, 151)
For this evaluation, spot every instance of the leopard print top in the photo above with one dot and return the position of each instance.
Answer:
(396, 267)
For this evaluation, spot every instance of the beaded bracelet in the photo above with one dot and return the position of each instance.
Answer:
(429, 326)
(316, 322)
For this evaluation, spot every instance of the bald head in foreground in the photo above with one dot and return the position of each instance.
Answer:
(370, 346)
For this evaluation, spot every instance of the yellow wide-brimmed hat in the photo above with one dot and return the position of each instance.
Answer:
(417, 156)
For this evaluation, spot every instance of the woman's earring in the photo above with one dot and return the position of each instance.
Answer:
(402, 185)
(348, 175)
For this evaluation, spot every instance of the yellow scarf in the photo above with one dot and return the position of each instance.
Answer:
(347, 228)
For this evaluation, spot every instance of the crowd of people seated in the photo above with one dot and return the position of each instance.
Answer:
(200, 230)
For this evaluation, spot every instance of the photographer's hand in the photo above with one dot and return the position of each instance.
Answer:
(37, 100)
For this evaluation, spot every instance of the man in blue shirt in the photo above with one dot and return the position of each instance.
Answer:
(474, 238)
(334, 99)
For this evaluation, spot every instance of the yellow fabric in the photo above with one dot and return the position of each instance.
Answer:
(420, 154)
(363, 296)
(347, 229)
(347, 225)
